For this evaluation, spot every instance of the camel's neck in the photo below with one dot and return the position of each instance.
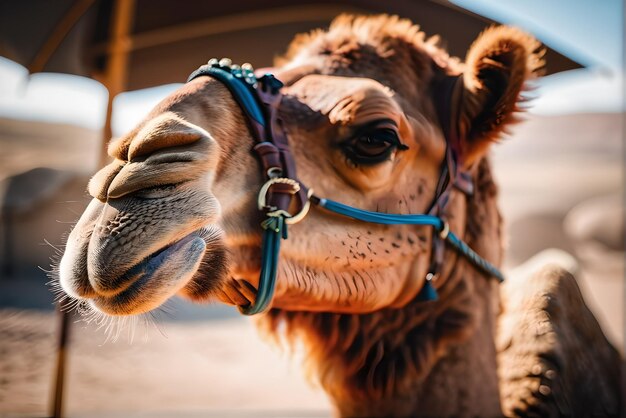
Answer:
(432, 359)
(444, 367)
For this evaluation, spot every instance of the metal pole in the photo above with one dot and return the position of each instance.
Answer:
(116, 72)
(8, 265)
(64, 325)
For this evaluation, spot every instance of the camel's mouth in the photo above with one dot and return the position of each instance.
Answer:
(155, 278)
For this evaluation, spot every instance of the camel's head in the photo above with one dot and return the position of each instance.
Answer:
(175, 212)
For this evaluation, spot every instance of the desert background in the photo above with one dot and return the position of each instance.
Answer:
(561, 189)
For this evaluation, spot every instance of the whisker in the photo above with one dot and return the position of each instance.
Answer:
(48, 243)
(155, 322)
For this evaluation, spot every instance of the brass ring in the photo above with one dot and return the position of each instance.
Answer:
(303, 212)
(273, 211)
(261, 200)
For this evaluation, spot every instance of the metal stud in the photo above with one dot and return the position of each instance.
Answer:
(545, 390)
(235, 70)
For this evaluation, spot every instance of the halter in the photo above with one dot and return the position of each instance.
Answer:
(285, 200)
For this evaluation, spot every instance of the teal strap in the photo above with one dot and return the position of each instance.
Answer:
(472, 256)
(240, 85)
(379, 217)
(397, 219)
(427, 293)
(275, 229)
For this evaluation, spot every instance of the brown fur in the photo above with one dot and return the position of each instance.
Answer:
(553, 358)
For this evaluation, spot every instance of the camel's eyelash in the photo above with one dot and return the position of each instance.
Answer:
(381, 124)
(372, 144)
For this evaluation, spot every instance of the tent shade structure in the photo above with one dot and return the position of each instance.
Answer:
(164, 40)
(135, 44)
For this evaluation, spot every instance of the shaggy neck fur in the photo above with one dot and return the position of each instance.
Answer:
(416, 360)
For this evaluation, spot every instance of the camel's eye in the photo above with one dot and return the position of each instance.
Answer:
(373, 144)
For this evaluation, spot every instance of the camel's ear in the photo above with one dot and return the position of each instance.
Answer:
(497, 65)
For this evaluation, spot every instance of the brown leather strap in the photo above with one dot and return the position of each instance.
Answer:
(274, 152)
(447, 97)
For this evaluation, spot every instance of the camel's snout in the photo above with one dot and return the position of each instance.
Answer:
(129, 254)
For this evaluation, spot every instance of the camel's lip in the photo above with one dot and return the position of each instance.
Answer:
(155, 278)
(150, 263)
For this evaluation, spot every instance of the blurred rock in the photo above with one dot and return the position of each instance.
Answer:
(535, 232)
(596, 229)
(38, 208)
(24, 191)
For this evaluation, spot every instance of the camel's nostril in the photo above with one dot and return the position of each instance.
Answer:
(109, 273)
(105, 284)
(111, 262)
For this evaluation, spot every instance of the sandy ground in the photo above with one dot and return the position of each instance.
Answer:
(209, 361)
(206, 367)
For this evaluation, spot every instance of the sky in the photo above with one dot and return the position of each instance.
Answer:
(590, 32)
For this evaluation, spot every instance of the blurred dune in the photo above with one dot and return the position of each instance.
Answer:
(30, 144)
(550, 169)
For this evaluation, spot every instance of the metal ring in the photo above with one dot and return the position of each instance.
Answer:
(262, 199)
(303, 212)
(274, 172)
(445, 231)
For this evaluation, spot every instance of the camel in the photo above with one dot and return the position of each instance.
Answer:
(175, 212)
